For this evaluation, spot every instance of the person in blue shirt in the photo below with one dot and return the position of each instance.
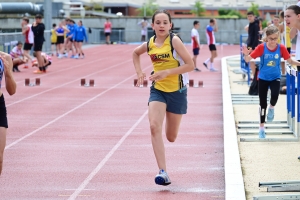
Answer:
(79, 36)
(270, 53)
(70, 43)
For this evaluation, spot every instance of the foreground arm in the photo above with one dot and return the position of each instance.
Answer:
(9, 79)
(137, 63)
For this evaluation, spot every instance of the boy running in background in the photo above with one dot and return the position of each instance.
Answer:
(195, 43)
(211, 41)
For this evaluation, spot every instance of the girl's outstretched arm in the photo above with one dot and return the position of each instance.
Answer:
(137, 63)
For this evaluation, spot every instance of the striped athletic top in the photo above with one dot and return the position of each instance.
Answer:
(165, 57)
(29, 35)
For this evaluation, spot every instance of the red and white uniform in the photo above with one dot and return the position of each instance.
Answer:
(29, 35)
(210, 36)
(107, 27)
(16, 53)
(195, 37)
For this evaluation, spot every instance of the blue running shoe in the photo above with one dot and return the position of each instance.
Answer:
(270, 115)
(162, 178)
(262, 134)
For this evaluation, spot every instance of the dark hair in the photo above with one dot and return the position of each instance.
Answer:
(161, 11)
(145, 18)
(250, 13)
(19, 42)
(26, 19)
(281, 14)
(211, 21)
(276, 16)
(53, 25)
(38, 16)
(295, 8)
(196, 22)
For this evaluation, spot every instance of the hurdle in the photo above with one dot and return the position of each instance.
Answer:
(245, 69)
(282, 128)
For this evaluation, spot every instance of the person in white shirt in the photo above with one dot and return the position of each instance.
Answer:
(292, 21)
(144, 25)
(18, 57)
(195, 43)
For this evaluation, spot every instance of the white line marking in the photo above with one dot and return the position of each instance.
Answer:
(66, 113)
(102, 163)
(60, 61)
(67, 83)
(75, 189)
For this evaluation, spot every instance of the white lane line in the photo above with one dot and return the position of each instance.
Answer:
(72, 67)
(68, 112)
(75, 189)
(102, 163)
(66, 83)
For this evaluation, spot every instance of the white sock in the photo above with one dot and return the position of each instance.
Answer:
(207, 60)
(211, 65)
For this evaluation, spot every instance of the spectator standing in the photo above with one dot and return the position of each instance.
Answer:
(144, 27)
(107, 30)
(38, 29)
(27, 32)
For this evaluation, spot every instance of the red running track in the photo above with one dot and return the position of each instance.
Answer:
(70, 142)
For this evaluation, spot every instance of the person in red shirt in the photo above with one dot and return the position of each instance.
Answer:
(107, 30)
(27, 32)
(270, 53)
(195, 43)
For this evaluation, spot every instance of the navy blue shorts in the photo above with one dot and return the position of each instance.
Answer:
(196, 51)
(176, 101)
(3, 113)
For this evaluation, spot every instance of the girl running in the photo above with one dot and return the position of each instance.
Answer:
(270, 53)
(79, 36)
(168, 93)
(6, 65)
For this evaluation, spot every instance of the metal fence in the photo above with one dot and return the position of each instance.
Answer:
(9, 40)
(120, 36)
(97, 36)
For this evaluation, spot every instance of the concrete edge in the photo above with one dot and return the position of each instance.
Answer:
(234, 184)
